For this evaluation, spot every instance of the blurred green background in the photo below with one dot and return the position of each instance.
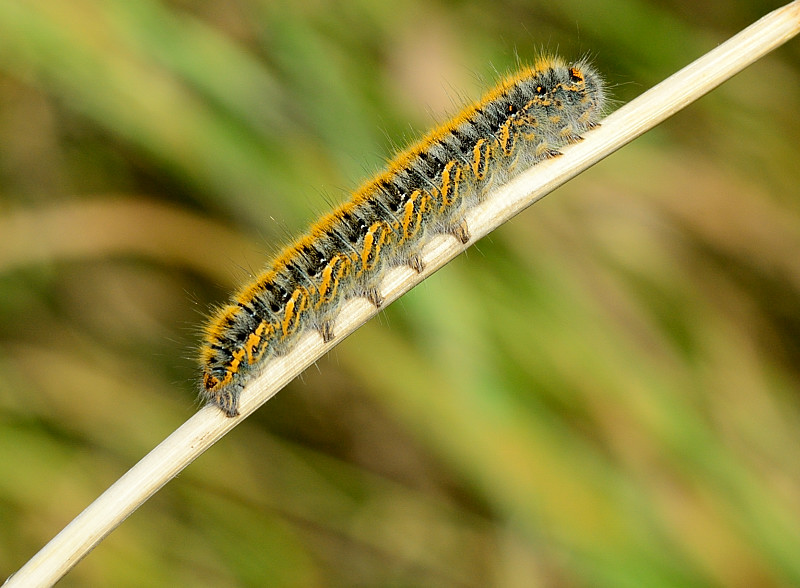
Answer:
(604, 392)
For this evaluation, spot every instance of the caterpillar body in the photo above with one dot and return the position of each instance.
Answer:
(426, 190)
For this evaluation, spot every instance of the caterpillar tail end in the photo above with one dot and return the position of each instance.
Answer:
(228, 404)
(224, 397)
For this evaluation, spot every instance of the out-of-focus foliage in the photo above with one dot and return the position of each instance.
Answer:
(605, 392)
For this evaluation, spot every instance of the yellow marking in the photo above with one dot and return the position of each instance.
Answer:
(210, 382)
(373, 244)
(369, 239)
(413, 211)
(409, 216)
(258, 338)
(338, 267)
(327, 283)
(252, 341)
(296, 306)
(482, 153)
(451, 180)
(507, 137)
(446, 186)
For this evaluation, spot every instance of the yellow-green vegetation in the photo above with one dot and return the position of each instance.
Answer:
(605, 392)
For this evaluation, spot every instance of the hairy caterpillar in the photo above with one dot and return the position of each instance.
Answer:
(425, 191)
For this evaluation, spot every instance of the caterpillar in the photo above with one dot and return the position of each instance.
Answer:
(425, 191)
